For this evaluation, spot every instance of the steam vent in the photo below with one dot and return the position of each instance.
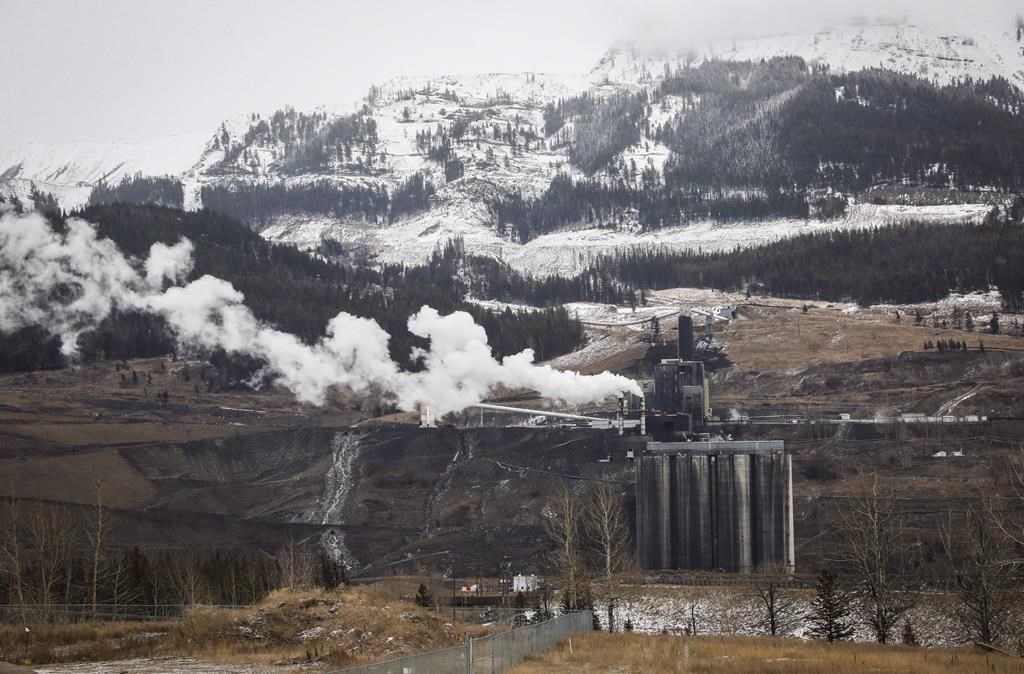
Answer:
(704, 503)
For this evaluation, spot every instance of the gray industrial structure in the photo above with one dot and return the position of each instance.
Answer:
(714, 506)
(701, 503)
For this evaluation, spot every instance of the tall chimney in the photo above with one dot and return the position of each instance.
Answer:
(685, 334)
(426, 418)
(643, 416)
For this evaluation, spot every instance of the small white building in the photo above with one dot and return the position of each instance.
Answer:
(524, 583)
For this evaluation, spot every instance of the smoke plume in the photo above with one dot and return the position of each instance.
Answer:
(68, 283)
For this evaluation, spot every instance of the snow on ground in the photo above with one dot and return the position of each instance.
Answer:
(70, 170)
(654, 609)
(158, 666)
(570, 252)
(460, 211)
(590, 313)
(601, 347)
(980, 304)
(481, 88)
(941, 53)
(976, 302)
(695, 297)
(496, 306)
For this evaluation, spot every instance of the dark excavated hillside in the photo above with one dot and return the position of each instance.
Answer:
(206, 470)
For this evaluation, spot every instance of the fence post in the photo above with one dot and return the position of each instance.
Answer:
(469, 655)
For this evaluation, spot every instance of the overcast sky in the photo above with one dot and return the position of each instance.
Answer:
(121, 69)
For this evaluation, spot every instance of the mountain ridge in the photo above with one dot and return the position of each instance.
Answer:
(475, 138)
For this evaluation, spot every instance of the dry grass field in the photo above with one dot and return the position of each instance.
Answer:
(603, 653)
(313, 629)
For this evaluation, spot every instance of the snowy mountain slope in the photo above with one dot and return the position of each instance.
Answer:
(475, 138)
(70, 170)
(935, 51)
(570, 252)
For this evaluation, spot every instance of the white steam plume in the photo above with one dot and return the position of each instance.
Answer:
(68, 283)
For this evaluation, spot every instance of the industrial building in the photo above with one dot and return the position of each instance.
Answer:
(701, 503)
(724, 506)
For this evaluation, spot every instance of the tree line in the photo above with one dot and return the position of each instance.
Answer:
(260, 203)
(303, 142)
(782, 123)
(61, 564)
(599, 203)
(871, 579)
(139, 189)
(287, 288)
(899, 264)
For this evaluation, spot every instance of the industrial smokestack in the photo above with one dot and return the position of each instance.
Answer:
(685, 334)
(620, 416)
(426, 418)
(643, 416)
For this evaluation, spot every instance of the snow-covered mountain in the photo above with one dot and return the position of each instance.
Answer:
(478, 137)
(69, 171)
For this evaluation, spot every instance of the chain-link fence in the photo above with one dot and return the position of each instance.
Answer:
(64, 613)
(486, 655)
(71, 613)
(482, 615)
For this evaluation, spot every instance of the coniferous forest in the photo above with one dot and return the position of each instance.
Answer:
(758, 140)
(899, 264)
(139, 189)
(258, 203)
(287, 288)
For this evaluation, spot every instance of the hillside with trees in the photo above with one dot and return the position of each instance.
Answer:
(899, 264)
(139, 189)
(287, 288)
(259, 203)
(781, 122)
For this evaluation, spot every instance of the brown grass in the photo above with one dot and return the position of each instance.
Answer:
(330, 628)
(639, 654)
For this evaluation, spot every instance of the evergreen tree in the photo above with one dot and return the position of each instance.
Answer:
(424, 597)
(830, 611)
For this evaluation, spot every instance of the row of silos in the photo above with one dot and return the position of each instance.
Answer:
(728, 510)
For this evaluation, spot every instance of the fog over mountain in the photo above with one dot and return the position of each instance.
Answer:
(140, 70)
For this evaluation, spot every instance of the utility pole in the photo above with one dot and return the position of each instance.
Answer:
(452, 566)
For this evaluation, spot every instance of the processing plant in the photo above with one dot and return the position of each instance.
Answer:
(703, 503)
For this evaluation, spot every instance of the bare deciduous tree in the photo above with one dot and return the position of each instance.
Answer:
(872, 527)
(604, 523)
(48, 546)
(95, 533)
(296, 565)
(980, 569)
(563, 529)
(1011, 523)
(11, 553)
(119, 589)
(187, 581)
(778, 608)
